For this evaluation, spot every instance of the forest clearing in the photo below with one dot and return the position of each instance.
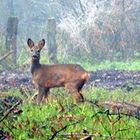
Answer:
(70, 70)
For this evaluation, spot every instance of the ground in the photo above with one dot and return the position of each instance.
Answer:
(111, 110)
(109, 79)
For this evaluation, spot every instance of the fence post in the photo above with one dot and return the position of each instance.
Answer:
(51, 41)
(11, 37)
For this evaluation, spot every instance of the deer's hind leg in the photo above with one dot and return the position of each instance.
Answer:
(78, 97)
(43, 93)
(78, 86)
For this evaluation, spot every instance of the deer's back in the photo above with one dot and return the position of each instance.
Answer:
(59, 75)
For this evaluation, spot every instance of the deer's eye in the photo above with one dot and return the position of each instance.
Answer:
(38, 51)
(31, 50)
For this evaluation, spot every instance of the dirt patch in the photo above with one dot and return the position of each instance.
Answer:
(15, 80)
(109, 79)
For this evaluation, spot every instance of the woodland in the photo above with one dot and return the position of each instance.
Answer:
(103, 37)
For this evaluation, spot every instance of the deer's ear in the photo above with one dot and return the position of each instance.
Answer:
(41, 43)
(30, 43)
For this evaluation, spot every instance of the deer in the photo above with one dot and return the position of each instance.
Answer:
(46, 76)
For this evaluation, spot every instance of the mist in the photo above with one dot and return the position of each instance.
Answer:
(99, 29)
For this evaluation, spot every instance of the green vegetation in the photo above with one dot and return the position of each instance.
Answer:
(60, 113)
(72, 120)
(89, 33)
(131, 65)
(24, 60)
(88, 65)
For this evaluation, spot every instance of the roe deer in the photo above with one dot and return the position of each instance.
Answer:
(70, 76)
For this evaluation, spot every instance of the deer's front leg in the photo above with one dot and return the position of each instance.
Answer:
(42, 94)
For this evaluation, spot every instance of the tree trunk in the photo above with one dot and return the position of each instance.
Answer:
(51, 41)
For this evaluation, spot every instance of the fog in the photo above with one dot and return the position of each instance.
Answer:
(69, 69)
(93, 30)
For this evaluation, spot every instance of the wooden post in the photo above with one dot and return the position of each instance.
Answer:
(11, 37)
(10, 5)
(51, 41)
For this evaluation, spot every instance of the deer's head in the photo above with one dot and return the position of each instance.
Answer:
(35, 48)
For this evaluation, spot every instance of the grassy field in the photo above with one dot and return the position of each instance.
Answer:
(130, 65)
(24, 61)
(24, 58)
(60, 118)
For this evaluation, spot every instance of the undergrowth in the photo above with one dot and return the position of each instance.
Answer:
(24, 62)
(60, 118)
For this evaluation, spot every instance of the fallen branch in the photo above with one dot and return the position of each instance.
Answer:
(5, 55)
(10, 110)
(119, 108)
(63, 128)
(123, 108)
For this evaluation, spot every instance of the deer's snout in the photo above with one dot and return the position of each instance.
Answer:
(35, 55)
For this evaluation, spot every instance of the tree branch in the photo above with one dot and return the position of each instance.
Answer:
(65, 127)
(5, 55)
(10, 110)
(81, 6)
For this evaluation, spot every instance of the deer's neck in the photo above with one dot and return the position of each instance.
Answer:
(35, 65)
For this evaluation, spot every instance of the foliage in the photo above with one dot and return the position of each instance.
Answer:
(132, 64)
(99, 30)
(106, 30)
(75, 120)
(97, 34)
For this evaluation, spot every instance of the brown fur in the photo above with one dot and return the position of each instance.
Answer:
(70, 76)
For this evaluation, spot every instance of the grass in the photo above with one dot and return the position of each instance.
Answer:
(24, 60)
(130, 65)
(60, 113)
(42, 122)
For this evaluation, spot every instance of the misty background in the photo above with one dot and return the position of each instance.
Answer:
(86, 30)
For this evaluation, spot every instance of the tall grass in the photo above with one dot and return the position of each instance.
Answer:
(41, 122)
